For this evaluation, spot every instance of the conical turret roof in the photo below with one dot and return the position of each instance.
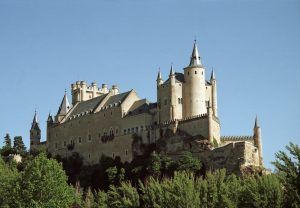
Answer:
(195, 58)
(64, 106)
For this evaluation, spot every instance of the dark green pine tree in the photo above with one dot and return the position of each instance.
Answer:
(6, 149)
(288, 166)
(19, 146)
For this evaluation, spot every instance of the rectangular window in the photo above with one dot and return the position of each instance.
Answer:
(136, 129)
(79, 140)
(124, 131)
(89, 137)
(65, 143)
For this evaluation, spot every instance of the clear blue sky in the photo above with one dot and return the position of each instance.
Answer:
(253, 46)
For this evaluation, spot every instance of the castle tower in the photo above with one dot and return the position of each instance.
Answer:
(209, 120)
(257, 140)
(194, 86)
(213, 82)
(172, 93)
(63, 109)
(35, 133)
(159, 82)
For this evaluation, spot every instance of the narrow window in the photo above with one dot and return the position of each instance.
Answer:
(111, 113)
(79, 140)
(90, 137)
(117, 131)
(124, 131)
(137, 129)
(132, 130)
(128, 130)
(113, 155)
(89, 156)
(195, 72)
(178, 100)
(65, 143)
(188, 73)
(126, 152)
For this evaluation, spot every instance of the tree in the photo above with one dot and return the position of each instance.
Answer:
(44, 184)
(154, 165)
(19, 147)
(112, 173)
(123, 196)
(8, 184)
(288, 167)
(262, 192)
(187, 162)
(6, 149)
(101, 199)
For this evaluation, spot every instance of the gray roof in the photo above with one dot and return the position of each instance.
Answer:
(138, 107)
(88, 105)
(119, 98)
(64, 106)
(178, 76)
(91, 105)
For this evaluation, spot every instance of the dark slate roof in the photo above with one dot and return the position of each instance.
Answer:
(35, 126)
(138, 107)
(87, 105)
(119, 98)
(178, 76)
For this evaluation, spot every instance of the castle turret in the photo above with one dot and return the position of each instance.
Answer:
(159, 80)
(257, 140)
(35, 133)
(194, 86)
(172, 93)
(210, 121)
(95, 89)
(213, 82)
(63, 108)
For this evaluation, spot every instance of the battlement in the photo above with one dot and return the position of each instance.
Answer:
(82, 92)
(236, 138)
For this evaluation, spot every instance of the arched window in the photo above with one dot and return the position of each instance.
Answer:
(111, 131)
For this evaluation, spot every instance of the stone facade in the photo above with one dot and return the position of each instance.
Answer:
(103, 121)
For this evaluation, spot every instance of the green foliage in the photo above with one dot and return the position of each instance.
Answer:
(154, 165)
(19, 147)
(101, 200)
(187, 162)
(44, 184)
(123, 196)
(288, 166)
(262, 192)
(215, 143)
(6, 150)
(89, 199)
(8, 184)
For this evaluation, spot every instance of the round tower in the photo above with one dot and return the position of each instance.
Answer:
(194, 86)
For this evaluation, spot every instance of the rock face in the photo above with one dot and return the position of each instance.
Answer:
(234, 157)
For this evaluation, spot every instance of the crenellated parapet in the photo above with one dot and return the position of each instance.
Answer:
(236, 138)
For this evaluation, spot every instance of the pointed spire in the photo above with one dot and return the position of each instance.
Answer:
(35, 118)
(256, 125)
(195, 58)
(212, 76)
(158, 74)
(172, 70)
(49, 118)
(64, 106)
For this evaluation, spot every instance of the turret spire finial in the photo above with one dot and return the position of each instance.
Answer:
(35, 118)
(212, 76)
(195, 58)
(158, 74)
(172, 70)
(256, 125)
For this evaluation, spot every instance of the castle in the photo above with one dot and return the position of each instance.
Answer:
(102, 121)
